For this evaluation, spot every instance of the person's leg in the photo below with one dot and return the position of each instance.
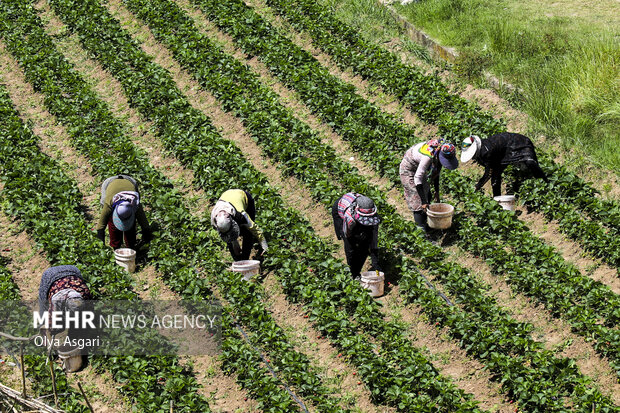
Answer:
(130, 237)
(414, 202)
(247, 243)
(353, 258)
(535, 170)
(496, 180)
(358, 258)
(116, 236)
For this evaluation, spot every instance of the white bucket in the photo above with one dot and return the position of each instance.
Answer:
(440, 215)
(71, 360)
(506, 201)
(373, 282)
(126, 258)
(248, 268)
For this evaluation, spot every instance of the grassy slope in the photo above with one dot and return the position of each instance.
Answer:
(562, 53)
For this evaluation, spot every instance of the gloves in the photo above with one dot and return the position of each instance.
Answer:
(147, 235)
(263, 246)
(101, 234)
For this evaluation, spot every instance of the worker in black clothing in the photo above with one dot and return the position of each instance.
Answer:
(357, 223)
(499, 151)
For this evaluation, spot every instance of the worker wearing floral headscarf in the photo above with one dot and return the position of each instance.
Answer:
(63, 289)
(420, 161)
(356, 221)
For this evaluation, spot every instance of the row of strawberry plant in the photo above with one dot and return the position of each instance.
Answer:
(602, 242)
(427, 96)
(280, 221)
(228, 102)
(527, 275)
(537, 270)
(48, 204)
(257, 37)
(170, 212)
(338, 105)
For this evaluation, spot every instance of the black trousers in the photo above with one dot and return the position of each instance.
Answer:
(246, 235)
(356, 251)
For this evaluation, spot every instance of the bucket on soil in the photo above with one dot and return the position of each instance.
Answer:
(373, 281)
(126, 258)
(71, 359)
(506, 201)
(439, 216)
(248, 268)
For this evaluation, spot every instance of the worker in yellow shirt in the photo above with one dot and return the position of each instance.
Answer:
(233, 215)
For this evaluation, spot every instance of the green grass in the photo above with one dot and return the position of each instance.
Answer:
(565, 59)
(564, 55)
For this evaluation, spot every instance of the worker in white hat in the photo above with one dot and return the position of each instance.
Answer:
(499, 151)
(232, 216)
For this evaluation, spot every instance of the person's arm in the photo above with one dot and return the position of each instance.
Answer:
(254, 229)
(485, 177)
(374, 250)
(144, 224)
(106, 212)
(418, 179)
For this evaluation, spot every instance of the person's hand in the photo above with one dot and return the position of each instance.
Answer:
(101, 234)
(147, 235)
(424, 206)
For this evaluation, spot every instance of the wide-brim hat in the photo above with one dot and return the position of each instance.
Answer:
(232, 234)
(366, 212)
(470, 147)
(447, 156)
(124, 216)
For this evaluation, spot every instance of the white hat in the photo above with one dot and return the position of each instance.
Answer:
(470, 147)
(227, 227)
(223, 222)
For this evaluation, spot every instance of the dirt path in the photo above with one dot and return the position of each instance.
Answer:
(572, 252)
(221, 390)
(554, 334)
(321, 220)
(27, 263)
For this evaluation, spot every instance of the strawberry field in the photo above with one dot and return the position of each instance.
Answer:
(506, 312)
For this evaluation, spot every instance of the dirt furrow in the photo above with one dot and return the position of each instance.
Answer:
(570, 250)
(544, 323)
(318, 216)
(27, 264)
(221, 390)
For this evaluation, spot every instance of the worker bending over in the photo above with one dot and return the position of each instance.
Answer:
(232, 216)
